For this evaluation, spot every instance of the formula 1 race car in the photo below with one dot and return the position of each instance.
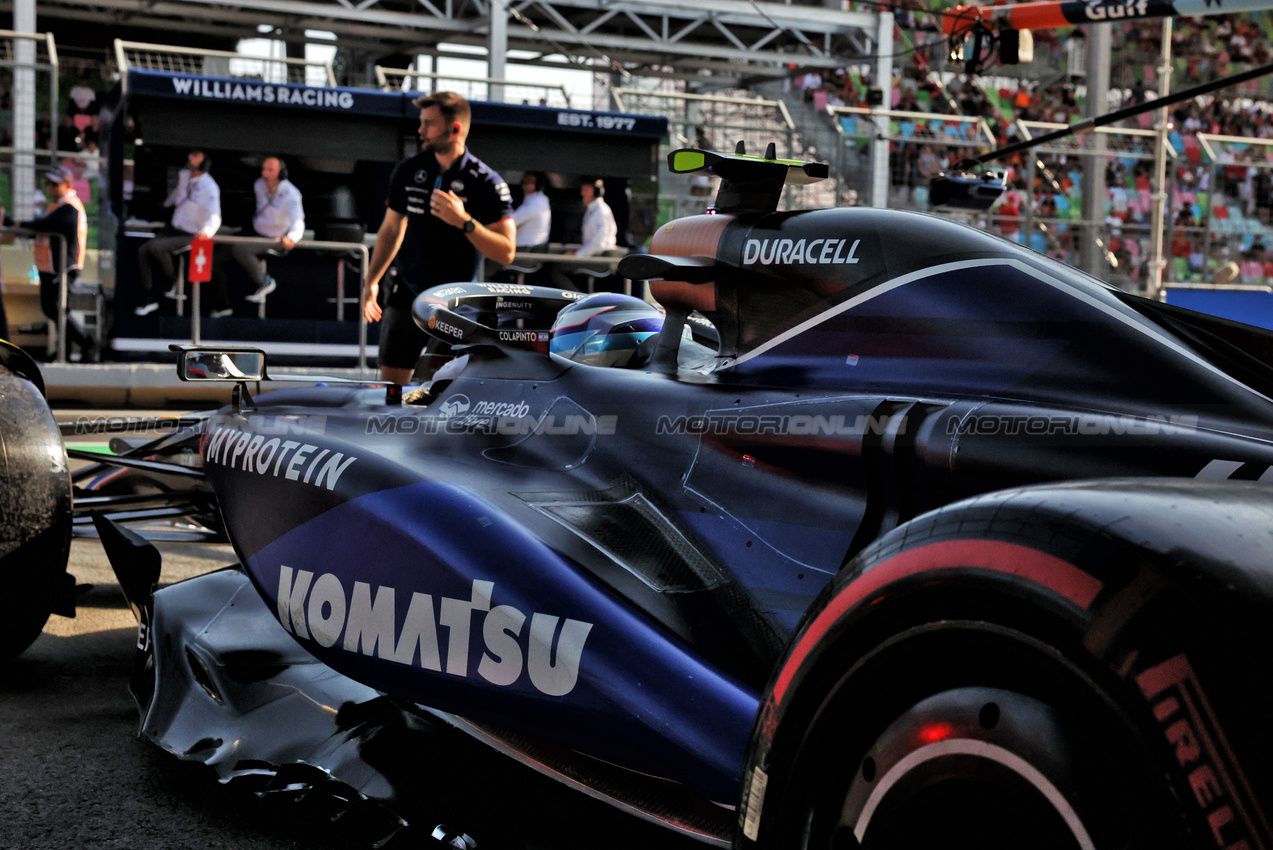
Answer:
(926, 538)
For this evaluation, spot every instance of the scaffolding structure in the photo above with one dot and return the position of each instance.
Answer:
(221, 63)
(29, 55)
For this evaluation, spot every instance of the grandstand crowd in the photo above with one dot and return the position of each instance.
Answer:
(1220, 196)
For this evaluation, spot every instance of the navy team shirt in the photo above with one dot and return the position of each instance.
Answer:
(434, 252)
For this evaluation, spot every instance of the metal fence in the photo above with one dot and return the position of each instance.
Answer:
(1231, 197)
(221, 63)
(1042, 207)
(473, 88)
(340, 300)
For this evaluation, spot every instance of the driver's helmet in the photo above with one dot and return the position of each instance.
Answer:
(607, 329)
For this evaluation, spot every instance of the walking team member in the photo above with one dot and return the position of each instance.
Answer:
(533, 219)
(279, 216)
(445, 211)
(197, 214)
(64, 216)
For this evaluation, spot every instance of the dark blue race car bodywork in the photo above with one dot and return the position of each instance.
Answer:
(633, 568)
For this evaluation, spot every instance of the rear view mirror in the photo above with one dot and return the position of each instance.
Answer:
(967, 190)
(686, 160)
(221, 364)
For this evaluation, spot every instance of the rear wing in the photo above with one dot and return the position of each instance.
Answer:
(748, 183)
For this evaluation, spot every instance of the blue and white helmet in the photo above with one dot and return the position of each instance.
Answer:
(607, 329)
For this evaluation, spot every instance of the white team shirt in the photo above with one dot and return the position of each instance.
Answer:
(198, 202)
(533, 219)
(599, 230)
(279, 213)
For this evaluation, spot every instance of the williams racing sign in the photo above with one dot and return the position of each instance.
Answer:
(256, 92)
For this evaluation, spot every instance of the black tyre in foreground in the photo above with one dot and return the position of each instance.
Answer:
(1011, 672)
(35, 505)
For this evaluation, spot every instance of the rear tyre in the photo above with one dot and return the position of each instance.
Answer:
(963, 735)
(929, 704)
(979, 737)
(35, 504)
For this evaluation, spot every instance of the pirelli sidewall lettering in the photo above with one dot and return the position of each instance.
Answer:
(1191, 729)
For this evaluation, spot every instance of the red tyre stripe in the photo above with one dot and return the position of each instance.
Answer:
(1060, 577)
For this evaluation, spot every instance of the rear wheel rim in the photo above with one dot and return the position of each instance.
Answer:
(970, 788)
(1018, 766)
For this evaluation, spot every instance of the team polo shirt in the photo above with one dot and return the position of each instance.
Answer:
(434, 252)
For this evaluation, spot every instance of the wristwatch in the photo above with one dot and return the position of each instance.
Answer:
(470, 225)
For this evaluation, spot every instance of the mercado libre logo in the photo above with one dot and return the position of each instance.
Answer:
(262, 93)
(455, 406)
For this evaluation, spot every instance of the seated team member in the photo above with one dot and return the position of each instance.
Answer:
(197, 213)
(533, 217)
(65, 216)
(279, 216)
(533, 220)
(599, 232)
